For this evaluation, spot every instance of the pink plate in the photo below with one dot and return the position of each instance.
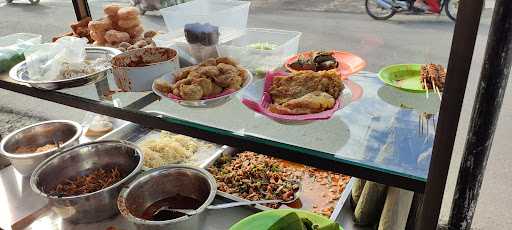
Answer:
(261, 107)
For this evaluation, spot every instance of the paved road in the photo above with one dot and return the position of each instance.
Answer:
(404, 39)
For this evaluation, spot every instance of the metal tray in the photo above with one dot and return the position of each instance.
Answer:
(136, 133)
(20, 73)
(342, 201)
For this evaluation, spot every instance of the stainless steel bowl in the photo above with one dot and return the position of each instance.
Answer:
(20, 73)
(38, 134)
(81, 160)
(160, 183)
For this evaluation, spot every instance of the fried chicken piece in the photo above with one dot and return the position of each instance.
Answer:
(216, 90)
(191, 92)
(298, 84)
(313, 102)
(162, 86)
(209, 62)
(226, 80)
(209, 71)
(205, 84)
(183, 73)
(226, 60)
(236, 82)
(227, 68)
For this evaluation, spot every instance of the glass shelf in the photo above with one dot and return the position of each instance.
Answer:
(386, 130)
(381, 130)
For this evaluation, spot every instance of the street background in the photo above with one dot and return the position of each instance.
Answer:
(325, 24)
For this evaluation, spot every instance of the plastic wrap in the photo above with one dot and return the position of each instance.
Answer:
(46, 61)
(12, 47)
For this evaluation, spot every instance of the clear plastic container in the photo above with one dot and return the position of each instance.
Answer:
(262, 50)
(12, 47)
(229, 16)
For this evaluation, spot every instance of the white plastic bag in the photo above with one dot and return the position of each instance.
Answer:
(45, 61)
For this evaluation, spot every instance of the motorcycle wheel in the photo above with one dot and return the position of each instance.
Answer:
(377, 12)
(9, 1)
(451, 7)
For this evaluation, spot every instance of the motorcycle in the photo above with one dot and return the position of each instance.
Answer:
(31, 1)
(153, 5)
(385, 9)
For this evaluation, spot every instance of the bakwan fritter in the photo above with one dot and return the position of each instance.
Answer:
(305, 92)
(207, 79)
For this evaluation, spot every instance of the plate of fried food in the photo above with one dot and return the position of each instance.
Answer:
(301, 96)
(209, 83)
(343, 62)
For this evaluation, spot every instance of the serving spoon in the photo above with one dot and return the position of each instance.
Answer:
(190, 212)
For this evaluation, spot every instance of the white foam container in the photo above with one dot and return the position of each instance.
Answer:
(257, 60)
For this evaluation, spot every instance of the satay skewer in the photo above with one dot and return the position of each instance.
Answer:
(436, 89)
(426, 87)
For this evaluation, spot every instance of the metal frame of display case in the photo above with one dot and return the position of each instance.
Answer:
(428, 198)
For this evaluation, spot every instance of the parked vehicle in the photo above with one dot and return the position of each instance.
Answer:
(385, 9)
(31, 1)
(151, 5)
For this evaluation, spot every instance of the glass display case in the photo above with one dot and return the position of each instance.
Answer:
(380, 133)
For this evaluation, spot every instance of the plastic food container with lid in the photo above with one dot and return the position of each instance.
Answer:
(261, 50)
(12, 47)
(229, 16)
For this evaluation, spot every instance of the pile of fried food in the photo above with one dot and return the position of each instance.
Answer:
(254, 176)
(433, 76)
(92, 182)
(316, 61)
(208, 79)
(120, 28)
(79, 29)
(305, 92)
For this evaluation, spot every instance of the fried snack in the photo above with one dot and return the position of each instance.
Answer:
(208, 79)
(150, 34)
(99, 25)
(98, 36)
(80, 28)
(305, 92)
(128, 13)
(191, 92)
(111, 9)
(313, 102)
(298, 84)
(113, 20)
(115, 37)
(128, 23)
(163, 86)
(135, 32)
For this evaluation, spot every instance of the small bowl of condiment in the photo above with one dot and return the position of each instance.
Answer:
(148, 200)
(82, 183)
(135, 70)
(27, 147)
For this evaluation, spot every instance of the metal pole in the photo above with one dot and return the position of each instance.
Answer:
(461, 54)
(81, 9)
(489, 98)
